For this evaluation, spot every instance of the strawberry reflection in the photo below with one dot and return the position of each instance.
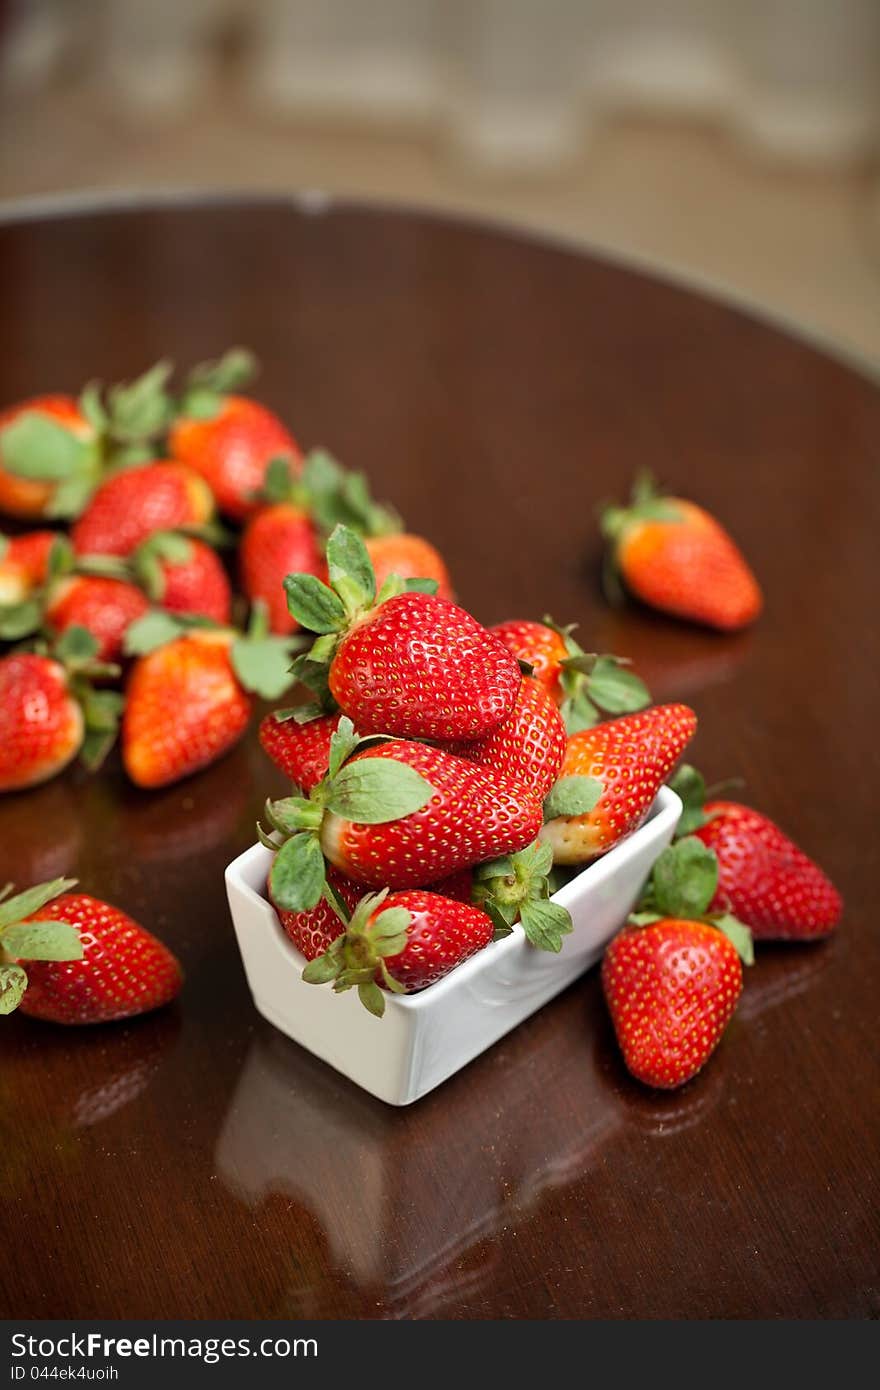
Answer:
(41, 833)
(675, 661)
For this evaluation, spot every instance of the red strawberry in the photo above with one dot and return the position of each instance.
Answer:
(413, 665)
(124, 970)
(29, 434)
(404, 942)
(277, 541)
(24, 564)
(473, 815)
(676, 557)
(619, 767)
(580, 683)
(420, 667)
(184, 575)
(529, 747)
(232, 449)
(185, 707)
(764, 879)
(104, 607)
(671, 988)
(302, 751)
(409, 557)
(397, 815)
(41, 723)
(543, 647)
(312, 931)
(135, 503)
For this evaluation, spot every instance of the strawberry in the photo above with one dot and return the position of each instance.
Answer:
(41, 722)
(300, 750)
(50, 713)
(402, 942)
(105, 607)
(24, 564)
(395, 814)
(609, 780)
(409, 557)
(49, 458)
(579, 683)
(528, 748)
(277, 541)
(765, 879)
(133, 504)
(408, 664)
(229, 439)
(313, 930)
(187, 700)
(671, 988)
(183, 575)
(119, 969)
(676, 557)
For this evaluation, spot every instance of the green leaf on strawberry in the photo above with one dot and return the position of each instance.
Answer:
(35, 940)
(296, 879)
(682, 886)
(572, 796)
(13, 983)
(39, 449)
(690, 785)
(515, 888)
(592, 682)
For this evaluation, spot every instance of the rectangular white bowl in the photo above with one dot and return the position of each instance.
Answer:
(424, 1038)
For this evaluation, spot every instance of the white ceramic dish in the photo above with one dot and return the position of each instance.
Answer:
(424, 1038)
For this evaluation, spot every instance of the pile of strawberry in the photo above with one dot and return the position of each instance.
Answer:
(447, 778)
(138, 587)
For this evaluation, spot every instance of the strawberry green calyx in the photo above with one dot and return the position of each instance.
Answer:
(682, 885)
(332, 610)
(40, 449)
(574, 795)
(593, 682)
(690, 785)
(647, 503)
(209, 382)
(368, 792)
(353, 960)
(21, 939)
(260, 660)
(164, 547)
(517, 888)
(26, 617)
(330, 494)
(77, 651)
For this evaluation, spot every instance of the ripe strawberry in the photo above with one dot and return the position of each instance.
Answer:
(409, 557)
(411, 664)
(764, 879)
(671, 988)
(188, 698)
(579, 683)
(231, 447)
(104, 607)
(124, 970)
(542, 647)
(24, 564)
(473, 815)
(185, 707)
(49, 458)
(676, 557)
(420, 667)
(403, 942)
(301, 751)
(610, 778)
(184, 575)
(395, 814)
(313, 930)
(41, 723)
(133, 504)
(529, 747)
(277, 541)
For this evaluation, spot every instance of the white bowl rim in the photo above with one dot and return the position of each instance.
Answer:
(667, 805)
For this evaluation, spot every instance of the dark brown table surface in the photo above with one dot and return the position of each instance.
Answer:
(196, 1162)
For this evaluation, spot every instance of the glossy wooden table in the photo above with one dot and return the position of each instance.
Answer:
(197, 1163)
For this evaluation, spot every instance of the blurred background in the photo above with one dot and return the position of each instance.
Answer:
(732, 141)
